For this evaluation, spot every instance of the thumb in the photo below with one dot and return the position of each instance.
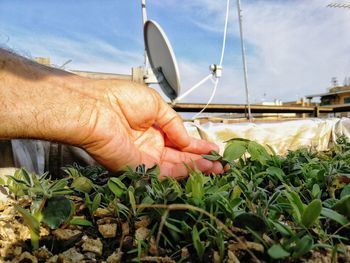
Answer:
(172, 125)
(176, 134)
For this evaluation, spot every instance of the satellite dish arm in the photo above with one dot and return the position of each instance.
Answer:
(216, 71)
(192, 89)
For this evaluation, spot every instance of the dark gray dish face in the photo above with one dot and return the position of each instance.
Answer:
(162, 59)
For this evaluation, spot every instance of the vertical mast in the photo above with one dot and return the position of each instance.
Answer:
(144, 19)
(243, 58)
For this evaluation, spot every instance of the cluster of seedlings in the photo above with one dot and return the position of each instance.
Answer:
(265, 208)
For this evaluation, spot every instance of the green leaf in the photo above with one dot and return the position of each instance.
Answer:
(57, 210)
(154, 171)
(96, 203)
(276, 172)
(345, 191)
(315, 191)
(62, 192)
(311, 213)
(297, 201)
(296, 204)
(32, 223)
(343, 206)
(303, 246)
(72, 172)
(173, 227)
(329, 203)
(197, 243)
(17, 186)
(213, 156)
(147, 200)
(80, 221)
(234, 150)
(59, 185)
(116, 186)
(195, 187)
(87, 199)
(282, 228)
(333, 215)
(82, 184)
(26, 177)
(36, 207)
(29, 219)
(132, 199)
(258, 153)
(274, 197)
(237, 139)
(278, 252)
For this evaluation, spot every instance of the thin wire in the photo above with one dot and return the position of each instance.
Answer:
(221, 61)
(193, 88)
(225, 32)
(210, 99)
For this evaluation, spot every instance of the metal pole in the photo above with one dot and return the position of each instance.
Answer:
(243, 59)
(339, 5)
(144, 19)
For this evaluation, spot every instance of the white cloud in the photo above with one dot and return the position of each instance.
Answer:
(299, 47)
(293, 47)
(86, 52)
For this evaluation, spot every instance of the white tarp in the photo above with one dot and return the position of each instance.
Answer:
(30, 154)
(281, 136)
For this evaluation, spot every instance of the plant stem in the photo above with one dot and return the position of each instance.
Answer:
(34, 239)
(202, 211)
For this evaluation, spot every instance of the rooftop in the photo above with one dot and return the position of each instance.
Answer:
(332, 91)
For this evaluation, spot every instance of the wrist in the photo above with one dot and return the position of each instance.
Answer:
(45, 108)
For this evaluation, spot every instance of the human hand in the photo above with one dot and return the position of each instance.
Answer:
(131, 124)
(118, 122)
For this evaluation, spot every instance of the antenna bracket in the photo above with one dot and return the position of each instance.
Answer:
(216, 70)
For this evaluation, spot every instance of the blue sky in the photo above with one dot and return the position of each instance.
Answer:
(293, 47)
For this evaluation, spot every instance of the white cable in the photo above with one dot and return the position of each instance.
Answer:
(192, 89)
(225, 33)
(221, 60)
(210, 99)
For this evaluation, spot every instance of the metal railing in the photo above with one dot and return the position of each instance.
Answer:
(313, 111)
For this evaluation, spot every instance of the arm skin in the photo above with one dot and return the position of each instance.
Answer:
(117, 122)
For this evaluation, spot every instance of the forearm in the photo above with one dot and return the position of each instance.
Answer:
(33, 99)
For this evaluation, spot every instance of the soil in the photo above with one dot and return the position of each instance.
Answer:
(73, 243)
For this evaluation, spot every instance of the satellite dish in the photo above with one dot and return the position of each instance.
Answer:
(162, 59)
(160, 55)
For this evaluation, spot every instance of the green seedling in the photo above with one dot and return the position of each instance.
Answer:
(285, 208)
(235, 149)
(278, 252)
(93, 204)
(80, 182)
(117, 187)
(49, 206)
(311, 213)
(343, 206)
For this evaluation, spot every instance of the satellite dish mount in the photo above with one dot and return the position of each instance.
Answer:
(164, 69)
